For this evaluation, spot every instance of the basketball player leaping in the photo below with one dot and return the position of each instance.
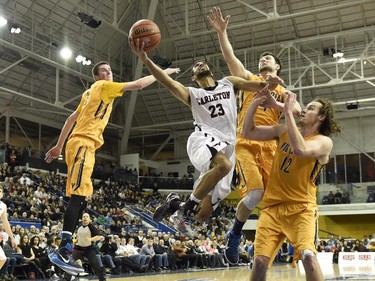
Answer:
(253, 158)
(210, 147)
(90, 119)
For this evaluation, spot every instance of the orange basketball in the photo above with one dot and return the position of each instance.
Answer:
(148, 32)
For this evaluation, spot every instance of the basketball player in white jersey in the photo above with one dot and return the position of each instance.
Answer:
(6, 226)
(210, 147)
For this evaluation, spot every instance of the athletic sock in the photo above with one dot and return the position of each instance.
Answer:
(66, 237)
(190, 207)
(237, 227)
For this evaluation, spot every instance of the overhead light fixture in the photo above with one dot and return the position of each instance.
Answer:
(338, 54)
(88, 20)
(66, 53)
(352, 105)
(3, 21)
(14, 28)
(83, 60)
(86, 62)
(80, 58)
(328, 52)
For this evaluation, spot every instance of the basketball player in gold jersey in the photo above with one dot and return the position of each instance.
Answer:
(289, 207)
(90, 119)
(253, 158)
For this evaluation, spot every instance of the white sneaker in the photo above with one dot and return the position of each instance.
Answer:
(182, 223)
(83, 274)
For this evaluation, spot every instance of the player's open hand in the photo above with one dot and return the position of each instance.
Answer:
(137, 47)
(53, 153)
(217, 21)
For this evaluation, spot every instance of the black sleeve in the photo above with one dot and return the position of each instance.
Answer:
(94, 230)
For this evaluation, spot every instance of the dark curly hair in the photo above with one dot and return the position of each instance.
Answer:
(33, 239)
(329, 125)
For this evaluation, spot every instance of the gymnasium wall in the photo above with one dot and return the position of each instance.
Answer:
(357, 135)
(353, 226)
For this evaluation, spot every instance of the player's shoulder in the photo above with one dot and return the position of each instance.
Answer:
(325, 139)
(254, 77)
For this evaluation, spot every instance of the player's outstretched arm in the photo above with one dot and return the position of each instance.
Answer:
(146, 81)
(55, 151)
(242, 84)
(174, 87)
(220, 25)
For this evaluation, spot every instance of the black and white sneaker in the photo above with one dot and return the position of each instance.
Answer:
(165, 209)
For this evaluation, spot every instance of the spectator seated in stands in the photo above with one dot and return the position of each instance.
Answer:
(24, 180)
(108, 248)
(26, 250)
(371, 197)
(7, 271)
(337, 197)
(244, 255)
(204, 259)
(178, 254)
(148, 250)
(40, 253)
(371, 247)
(331, 198)
(129, 256)
(161, 255)
(358, 246)
(346, 247)
(345, 198)
(193, 257)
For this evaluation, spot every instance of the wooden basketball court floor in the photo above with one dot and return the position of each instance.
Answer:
(281, 272)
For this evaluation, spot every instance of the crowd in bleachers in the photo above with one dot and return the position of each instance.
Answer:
(36, 197)
(126, 252)
(339, 197)
(156, 181)
(330, 245)
(129, 247)
(341, 244)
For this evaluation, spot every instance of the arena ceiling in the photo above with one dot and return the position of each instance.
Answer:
(38, 89)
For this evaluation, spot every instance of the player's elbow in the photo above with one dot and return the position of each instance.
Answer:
(299, 152)
(71, 119)
(229, 60)
(138, 85)
(247, 133)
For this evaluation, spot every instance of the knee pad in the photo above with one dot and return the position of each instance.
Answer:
(252, 198)
(307, 253)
